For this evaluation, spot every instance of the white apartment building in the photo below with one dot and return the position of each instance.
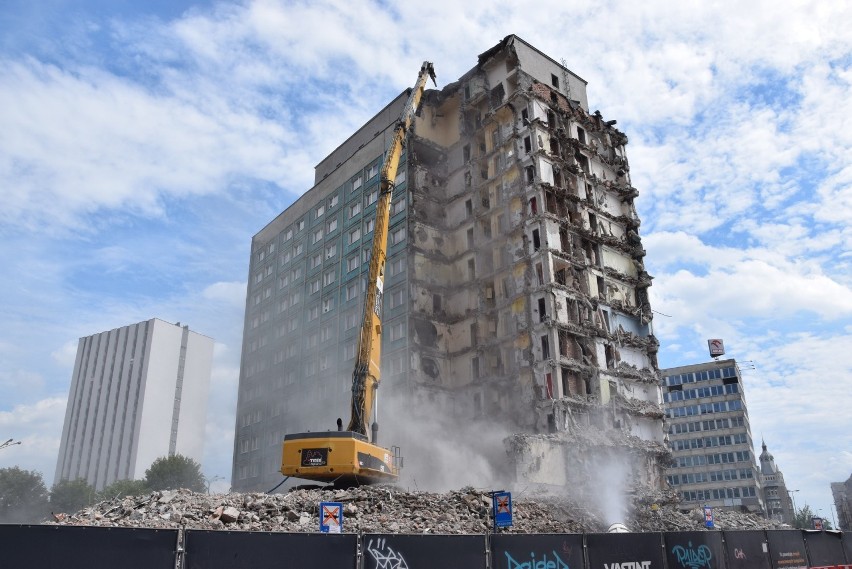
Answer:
(138, 393)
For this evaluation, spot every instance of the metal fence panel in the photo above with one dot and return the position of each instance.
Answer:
(695, 550)
(824, 548)
(265, 550)
(389, 551)
(624, 550)
(86, 547)
(787, 549)
(747, 549)
(552, 551)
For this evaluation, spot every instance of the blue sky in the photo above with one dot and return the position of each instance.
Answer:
(142, 144)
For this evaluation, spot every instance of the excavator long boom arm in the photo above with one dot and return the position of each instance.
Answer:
(366, 377)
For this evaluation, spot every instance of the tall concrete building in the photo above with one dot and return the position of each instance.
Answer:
(713, 461)
(138, 393)
(515, 290)
(842, 494)
(777, 500)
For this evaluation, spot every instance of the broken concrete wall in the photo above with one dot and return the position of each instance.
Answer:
(529, 264)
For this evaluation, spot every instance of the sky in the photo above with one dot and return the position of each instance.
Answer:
(142, 144)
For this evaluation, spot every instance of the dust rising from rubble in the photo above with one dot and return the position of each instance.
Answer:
(610, 489)
(442, 452)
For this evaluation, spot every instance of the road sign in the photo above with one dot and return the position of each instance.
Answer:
(708, 516)
(331, 517)
(502, 504)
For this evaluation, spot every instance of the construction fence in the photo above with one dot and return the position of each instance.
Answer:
(79, 547)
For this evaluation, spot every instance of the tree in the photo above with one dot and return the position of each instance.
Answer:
(70, 496)
(804, 519)
(23, 496)
(122, 488)
(173, 472)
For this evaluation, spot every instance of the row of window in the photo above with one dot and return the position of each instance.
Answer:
(704, 459)
(393, 332)
(705, 375)
(329, 252)
(704, 409)
(701, 393)
(354, 208)
(715, 476)
(709, 442)
(719, 494)
(710, 425)
(394, 267)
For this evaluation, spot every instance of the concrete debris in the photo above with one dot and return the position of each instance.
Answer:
(389, 509)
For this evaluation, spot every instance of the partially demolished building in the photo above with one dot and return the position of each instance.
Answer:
(515, 288)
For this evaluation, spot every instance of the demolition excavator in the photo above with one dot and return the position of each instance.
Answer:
(352, 457)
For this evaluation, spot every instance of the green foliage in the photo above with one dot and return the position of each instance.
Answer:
(173, 472)
(122, 488)
(804, 519)
(70, 496)
(23, 496)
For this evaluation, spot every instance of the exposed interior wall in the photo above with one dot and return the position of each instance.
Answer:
(528, 280)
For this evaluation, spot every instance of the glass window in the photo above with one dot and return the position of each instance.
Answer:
(398, 206)
(354, 209)
(351, 290)
(354, 235)
(398, 235)
(320, 210)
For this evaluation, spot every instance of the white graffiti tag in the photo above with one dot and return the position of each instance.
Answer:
(385, 556)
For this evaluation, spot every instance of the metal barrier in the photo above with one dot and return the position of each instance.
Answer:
(86, 547)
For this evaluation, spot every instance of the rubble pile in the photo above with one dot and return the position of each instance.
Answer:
(382, 509)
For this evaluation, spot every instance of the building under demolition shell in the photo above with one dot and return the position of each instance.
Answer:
(515, 290)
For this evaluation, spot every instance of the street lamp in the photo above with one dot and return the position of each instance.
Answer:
(793, 501)
(9, 443)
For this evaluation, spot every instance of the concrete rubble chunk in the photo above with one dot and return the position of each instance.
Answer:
(381, 509)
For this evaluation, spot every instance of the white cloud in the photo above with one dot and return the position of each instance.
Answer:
(39, 428)
(226, 292)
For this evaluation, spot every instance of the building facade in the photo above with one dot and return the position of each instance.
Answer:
(776, 498)
(842, 494)
(713, 461)
(138, 393)
(515, 290)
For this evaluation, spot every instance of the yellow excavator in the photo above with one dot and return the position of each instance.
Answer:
(352, 457)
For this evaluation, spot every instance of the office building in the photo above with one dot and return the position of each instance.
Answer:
(515, 290)
(779, 505)
(713, 461)
(138, 393)
(842, 494)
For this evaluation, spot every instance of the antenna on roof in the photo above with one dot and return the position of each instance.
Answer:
(565, 78)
